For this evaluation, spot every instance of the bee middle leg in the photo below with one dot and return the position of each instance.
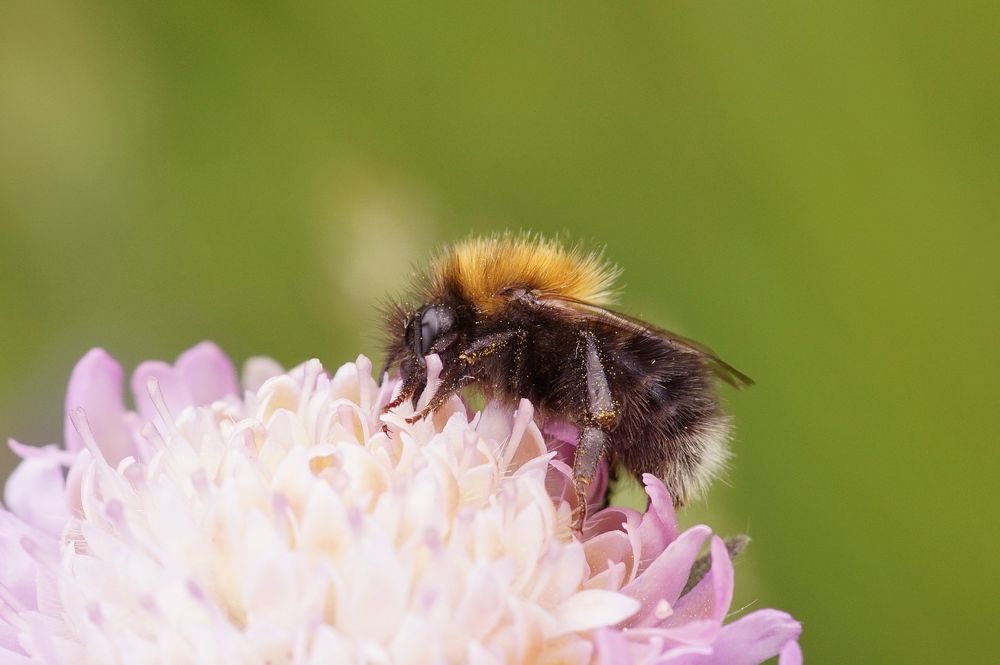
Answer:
(484, 347)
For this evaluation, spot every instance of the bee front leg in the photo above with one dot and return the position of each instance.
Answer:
(599, 418)
(406, 391)
(453, 381)
(460, 374)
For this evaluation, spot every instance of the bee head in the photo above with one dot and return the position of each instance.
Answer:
(432, 329)
(440, 327)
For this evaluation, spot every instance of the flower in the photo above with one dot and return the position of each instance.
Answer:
(280, 524)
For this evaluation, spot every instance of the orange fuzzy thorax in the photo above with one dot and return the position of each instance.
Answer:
(482, 268)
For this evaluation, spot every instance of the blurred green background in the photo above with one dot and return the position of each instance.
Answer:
(810, 188)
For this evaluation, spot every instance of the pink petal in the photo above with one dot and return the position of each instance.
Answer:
(563, 430)
(666, 576)
(612, 648)
(18, 572)
(207, 373)
(559, 484)
(200, 376)
(604, 548)
(624, 524)
(598, 490)
(711, 597)
(613, 519)
(696, 633)
(525, 442)
(594, 608)
(74, 483)
(659, 524)
(34, 492)
(173, 392)
(96, 387)
(51, 452)
(755, 638)
(8, 657)
(259, 369)
(686, 655)
(8, 642)
(791, 654)
(8, 639)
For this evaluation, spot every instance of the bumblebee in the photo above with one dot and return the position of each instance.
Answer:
(519, 316)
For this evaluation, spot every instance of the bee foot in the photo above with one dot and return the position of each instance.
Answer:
(391, 405)
(579, 515)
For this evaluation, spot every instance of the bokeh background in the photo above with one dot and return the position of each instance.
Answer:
(810, 188)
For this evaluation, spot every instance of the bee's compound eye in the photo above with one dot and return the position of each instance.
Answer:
(436, 320)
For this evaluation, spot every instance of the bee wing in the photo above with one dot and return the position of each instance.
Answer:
(719, 367)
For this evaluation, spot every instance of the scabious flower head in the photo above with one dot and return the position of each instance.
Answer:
(280, 524)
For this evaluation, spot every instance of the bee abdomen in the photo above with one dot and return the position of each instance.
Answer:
(687, 458)
(674, 427)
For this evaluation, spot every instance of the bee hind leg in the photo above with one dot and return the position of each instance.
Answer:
(589, 452)
(599, 419)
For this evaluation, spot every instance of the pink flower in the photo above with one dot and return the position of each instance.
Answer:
(279, 524)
